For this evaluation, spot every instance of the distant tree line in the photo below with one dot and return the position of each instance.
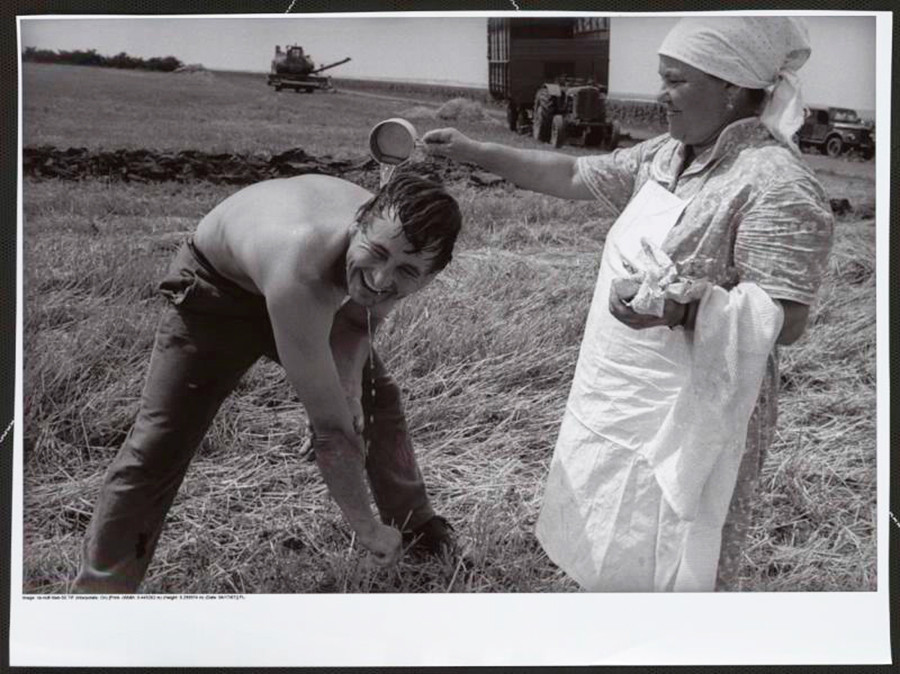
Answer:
(92, 58)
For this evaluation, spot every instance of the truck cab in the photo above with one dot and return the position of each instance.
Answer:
(835, 131)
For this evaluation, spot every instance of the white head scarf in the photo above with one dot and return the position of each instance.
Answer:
(754, 52)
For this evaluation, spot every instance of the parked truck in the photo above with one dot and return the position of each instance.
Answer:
(293, 69)
(552, 75)
(836, 131)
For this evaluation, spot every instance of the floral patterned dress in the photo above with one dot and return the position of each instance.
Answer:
(756, 213)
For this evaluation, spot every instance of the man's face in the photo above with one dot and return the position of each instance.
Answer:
(380, 266)
(695, 102)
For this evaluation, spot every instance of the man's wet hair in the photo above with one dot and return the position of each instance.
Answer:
(429, 215)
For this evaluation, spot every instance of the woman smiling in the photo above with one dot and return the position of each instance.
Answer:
(716, 255)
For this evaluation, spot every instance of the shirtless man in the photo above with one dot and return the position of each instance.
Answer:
(288, 269)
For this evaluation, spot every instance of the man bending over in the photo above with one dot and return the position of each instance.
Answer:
(288, 269)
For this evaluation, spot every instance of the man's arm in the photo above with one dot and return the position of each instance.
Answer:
(302, 320)
(350, 350)
(350, 344)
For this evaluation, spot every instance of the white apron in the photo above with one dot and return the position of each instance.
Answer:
(651, 440)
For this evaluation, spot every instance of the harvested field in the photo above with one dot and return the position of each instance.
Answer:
(484, 355)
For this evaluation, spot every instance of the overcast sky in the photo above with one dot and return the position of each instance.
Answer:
(841, 70)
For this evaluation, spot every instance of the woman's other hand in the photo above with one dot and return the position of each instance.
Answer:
(621, 293)
(796, 316)
(447, 142)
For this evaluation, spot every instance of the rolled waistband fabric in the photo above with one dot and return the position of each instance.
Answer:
(219, 280)
(192, 283)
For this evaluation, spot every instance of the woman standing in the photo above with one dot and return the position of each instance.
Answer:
(718, 250)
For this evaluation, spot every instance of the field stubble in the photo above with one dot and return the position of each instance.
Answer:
(484, 357)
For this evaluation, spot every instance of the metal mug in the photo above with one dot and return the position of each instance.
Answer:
(392, 141)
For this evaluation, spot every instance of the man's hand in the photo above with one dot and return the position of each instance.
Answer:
(447, 143)
(384, 542)
(341, 466)
(622, 292)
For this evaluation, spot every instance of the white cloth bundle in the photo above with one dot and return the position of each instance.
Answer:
(755, 52)
(654, 279)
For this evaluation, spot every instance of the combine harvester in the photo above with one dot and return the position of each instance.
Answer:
(293, 69)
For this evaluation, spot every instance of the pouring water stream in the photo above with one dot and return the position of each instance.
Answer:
(385, 171)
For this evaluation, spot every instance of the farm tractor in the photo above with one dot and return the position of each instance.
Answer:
(293, 69)
(573, 111)
(552, 75)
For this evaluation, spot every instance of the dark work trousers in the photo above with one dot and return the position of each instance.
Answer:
(208, 337)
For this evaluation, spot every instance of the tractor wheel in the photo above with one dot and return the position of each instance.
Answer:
(558, 131)
(512, 116)
(868, 153)
(543, 116)
(834, 146)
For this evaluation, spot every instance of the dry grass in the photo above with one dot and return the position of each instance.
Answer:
(484, 356)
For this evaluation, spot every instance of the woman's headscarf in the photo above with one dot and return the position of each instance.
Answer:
(754, 52)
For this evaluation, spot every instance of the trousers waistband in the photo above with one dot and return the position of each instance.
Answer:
(220, 280)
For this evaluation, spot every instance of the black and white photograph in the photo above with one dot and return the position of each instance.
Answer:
(401, 308)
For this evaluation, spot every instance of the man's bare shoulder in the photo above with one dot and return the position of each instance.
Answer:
(303, 187)
(281, 230)
(284, 202)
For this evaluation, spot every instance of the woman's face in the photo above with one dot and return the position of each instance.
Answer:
(695, 102)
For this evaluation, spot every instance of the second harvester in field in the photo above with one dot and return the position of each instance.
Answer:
(294, 69)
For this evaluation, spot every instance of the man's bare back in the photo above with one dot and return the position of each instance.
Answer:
(298, 226)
